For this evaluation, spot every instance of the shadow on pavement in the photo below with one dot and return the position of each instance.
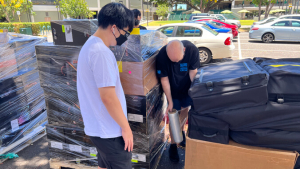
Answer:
(32, 157)
(275, 42)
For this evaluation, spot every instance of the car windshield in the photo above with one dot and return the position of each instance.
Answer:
(210, 30)
(215, 25)
(224, 17)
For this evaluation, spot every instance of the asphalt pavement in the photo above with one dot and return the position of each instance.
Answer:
(36, 156)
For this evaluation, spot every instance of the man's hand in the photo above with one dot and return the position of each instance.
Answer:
(128, 139)
(170, 107)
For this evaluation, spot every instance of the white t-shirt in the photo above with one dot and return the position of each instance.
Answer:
(97, 68)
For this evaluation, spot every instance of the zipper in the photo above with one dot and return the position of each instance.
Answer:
(247, 67)
(228, 92)
(284, 97)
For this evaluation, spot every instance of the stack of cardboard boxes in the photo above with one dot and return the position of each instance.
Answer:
(22, 104)
(144, 96)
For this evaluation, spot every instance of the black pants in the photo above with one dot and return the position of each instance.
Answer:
(111, 153)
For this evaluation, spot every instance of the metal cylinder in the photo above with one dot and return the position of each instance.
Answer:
(175, 126)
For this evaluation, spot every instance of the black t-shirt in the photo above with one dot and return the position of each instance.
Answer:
(142, 28)
(178, 72)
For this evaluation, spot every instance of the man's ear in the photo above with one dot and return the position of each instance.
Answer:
(113, 28)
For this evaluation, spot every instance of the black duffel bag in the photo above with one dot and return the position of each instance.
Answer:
(207, 128)
(229, 85)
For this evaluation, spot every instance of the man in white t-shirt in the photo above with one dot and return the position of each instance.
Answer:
(101, 96)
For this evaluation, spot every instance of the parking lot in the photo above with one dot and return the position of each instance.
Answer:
(248, 48)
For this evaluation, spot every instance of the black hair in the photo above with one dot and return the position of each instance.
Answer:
(136, 13)
(116, 14)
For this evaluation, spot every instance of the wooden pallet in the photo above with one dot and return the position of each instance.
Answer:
(55, 164)
(24, 142)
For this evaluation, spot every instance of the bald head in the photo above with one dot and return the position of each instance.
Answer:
(175, 50)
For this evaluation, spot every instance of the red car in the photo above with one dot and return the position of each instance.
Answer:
(234, 28)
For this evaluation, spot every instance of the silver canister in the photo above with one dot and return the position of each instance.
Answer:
(175, 126)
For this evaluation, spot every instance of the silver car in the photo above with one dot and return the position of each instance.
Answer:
(266, 20)
(279, 30)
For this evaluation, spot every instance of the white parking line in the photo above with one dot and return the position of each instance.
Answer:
(240, 51)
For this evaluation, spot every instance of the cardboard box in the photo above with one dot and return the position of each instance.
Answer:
(208, 155)
(138, 78)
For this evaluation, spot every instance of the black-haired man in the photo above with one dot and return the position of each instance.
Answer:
(100, 93)
(137, 19)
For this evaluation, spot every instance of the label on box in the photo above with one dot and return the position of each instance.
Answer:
(57, 145)
(93, 151)
(1, 30)
(139, 157)
(75, 148)
(135, 117)
(68, 33)
(14, 125)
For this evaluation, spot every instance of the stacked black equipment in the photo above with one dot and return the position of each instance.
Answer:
(273, 124)
(58, 75)
(22, 102)
(145, 100)
(58, 71)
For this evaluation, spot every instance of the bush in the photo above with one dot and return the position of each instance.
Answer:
(36, 26)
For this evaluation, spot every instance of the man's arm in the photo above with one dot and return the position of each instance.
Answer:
(192, 74)
(111, 101)
(167, 89)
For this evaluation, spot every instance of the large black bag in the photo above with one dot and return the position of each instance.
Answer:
(207, 128)
(284, 78)
(230, 85)
(278, 139)
(270, 116)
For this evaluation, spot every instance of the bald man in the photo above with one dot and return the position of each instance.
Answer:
(177, 65)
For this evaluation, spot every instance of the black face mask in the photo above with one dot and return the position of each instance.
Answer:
(137, 22)
(121, 39)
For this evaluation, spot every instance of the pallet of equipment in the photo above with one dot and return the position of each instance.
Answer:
(24, 142)
(56, 164)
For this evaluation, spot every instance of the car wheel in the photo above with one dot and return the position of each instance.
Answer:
(205, 55)
(268, 38)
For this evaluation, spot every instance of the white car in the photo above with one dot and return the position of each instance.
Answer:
(222, 18)
(210, 43)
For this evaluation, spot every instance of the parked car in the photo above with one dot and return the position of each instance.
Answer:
(266, 20)
(210, 43)
(201, 17)
(213, 26)
(222, 18)
(198, 14)
(279, 30)
(234, 28)
(294, 16)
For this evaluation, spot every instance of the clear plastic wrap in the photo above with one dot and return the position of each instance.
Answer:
(22, 102)
(3, 37)
(73, 31)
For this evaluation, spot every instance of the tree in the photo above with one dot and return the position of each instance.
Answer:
(9, 8)
(74, 8)
(162, 10)
(269, 5)
(199, 5)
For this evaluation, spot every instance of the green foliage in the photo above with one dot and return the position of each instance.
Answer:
(162, 10)
(9, 8)
(74, 8)
(36, 26)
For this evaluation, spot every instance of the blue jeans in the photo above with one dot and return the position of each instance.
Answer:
(182, 103)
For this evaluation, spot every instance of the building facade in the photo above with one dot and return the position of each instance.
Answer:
(45, 10)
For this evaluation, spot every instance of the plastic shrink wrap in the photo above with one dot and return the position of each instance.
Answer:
(58, 70)
(22, 102)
